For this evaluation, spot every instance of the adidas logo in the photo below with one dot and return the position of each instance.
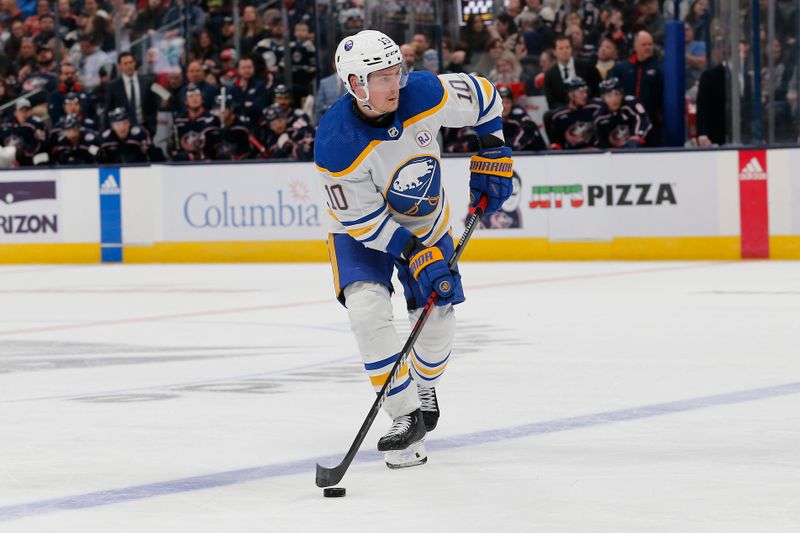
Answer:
(109, 186)
(753, 171)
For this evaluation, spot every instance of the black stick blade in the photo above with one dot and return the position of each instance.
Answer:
(328, 477)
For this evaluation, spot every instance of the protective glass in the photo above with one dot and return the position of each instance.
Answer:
(383, 82)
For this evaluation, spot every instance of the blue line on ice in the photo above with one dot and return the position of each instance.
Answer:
(233, 477)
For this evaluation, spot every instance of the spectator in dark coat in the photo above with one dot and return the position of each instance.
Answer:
(642, 76)
(555, 79)
(133, 92)
(249, 94)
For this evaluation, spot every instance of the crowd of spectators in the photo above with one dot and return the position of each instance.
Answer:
(113, 81)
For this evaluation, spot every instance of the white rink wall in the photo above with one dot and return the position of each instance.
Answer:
(715, 204)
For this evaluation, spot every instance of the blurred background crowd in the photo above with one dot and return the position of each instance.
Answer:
(116, 81)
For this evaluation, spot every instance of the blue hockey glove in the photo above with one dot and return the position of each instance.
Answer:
(490, 175)
(433, 273)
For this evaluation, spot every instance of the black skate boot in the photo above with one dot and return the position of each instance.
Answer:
(403, 445)
(430, 407)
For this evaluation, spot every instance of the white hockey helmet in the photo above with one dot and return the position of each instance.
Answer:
(366, 52)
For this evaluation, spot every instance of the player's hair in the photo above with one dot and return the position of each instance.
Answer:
(123, 55)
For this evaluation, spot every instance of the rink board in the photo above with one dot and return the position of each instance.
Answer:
(722, 204)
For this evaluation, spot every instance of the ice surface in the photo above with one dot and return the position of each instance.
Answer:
(601, 397)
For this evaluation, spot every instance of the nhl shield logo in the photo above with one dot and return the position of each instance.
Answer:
(415, 186)
(393, 132)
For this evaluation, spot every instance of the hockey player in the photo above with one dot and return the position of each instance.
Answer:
(571, 126)
(123, 143)
(519, 129)
(378, 156)
(231, 136)
(190, 128)
(74, 145)
(26, 132)
(621, 121)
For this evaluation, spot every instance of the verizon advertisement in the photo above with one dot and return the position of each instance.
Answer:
(29, 211)
(271, 202)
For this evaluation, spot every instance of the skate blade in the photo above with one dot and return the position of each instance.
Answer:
(414, 455)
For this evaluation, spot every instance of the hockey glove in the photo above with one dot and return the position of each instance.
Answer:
(490, 175)
(433, 273)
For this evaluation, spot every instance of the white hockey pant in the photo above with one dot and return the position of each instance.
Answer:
(370, 309)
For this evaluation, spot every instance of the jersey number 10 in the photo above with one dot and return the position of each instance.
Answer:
(336, 197)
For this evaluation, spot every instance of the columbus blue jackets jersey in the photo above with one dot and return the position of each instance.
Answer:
(573, 129)
(377, 179)
(626, 126)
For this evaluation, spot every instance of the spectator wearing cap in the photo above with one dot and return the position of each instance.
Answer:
(72, 144)
(275, 133)
(557, 78)
(89, 59)
(519, 130)
(148, 20)
(196, 75)
(226, 34)
(225, 69)
(134, 93)
(27, 133)
(642, 76)
(123, 142)
(572, 125)
(283, 98)
(232, 137)
(189, 130)
(249, 93)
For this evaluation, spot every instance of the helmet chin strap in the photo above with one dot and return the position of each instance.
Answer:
(365, 103)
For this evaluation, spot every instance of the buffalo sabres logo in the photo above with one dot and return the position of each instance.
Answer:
(415, 186)
(348, 45)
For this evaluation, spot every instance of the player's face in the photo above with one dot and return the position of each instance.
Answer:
(278, 125)
(579, 96)
(73, 135)
(283, 100)
(384, 88)
(121, 128)
(507, 104)
(194, 100)
(613, 100)
(72, 107)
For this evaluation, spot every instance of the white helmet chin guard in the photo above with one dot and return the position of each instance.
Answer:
(363, 53)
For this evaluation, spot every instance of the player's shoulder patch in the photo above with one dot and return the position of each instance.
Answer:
(341, 137)
(629, 98)
(106, 134)
(135, 130)
(89, 136)
(422, 93)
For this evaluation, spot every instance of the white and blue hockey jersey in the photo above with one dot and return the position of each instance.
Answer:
(378, 179)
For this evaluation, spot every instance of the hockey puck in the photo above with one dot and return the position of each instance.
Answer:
(334, 492)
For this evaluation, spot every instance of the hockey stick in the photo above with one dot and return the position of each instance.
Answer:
(327, 477)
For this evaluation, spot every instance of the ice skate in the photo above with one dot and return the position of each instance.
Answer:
(430, 407)
(403, 446)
